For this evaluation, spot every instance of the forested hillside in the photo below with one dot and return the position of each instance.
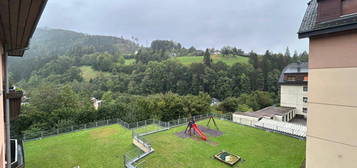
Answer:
(48, 44)
(62, 70)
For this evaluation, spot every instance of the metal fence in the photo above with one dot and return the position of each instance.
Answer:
(57, 131)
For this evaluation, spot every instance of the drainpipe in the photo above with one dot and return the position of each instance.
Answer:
(7, 114)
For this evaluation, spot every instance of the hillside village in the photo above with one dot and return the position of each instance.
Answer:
(77, 100)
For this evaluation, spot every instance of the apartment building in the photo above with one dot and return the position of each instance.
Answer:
(331, 26)
(18, 20)
(293, 87)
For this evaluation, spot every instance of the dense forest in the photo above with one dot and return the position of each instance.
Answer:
(154, 86)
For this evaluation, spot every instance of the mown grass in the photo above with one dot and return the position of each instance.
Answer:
(89, 73)
(94, 148)
(105, 146)
(148, 128)
(259, 149)
(229, 60)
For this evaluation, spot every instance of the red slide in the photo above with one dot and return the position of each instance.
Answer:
(194, 126)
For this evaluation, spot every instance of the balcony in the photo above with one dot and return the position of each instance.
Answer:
(17, 154)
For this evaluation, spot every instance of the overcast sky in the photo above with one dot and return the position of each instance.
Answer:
(247, 24)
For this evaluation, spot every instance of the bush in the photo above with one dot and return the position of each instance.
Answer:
(244, 108)
(229, 104)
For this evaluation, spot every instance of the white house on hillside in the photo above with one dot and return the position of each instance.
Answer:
(293, 87)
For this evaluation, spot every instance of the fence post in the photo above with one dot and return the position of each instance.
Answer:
(41, 134)
(85, 126)
(72, 128)
(96, 124)
(57, 131)
(137, 124)
(107, 122)
(145, 123)
(168, 124)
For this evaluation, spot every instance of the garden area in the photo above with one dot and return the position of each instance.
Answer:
(257, 148)
(106, 146)
(97, 147)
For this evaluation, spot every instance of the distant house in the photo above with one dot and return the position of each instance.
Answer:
(96, 103)
(214, 101)
(293, 87)
(216, 52)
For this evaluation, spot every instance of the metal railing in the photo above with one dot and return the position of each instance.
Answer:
(57, 131)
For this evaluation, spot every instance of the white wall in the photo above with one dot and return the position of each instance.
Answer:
(247, 120)
(292, 96)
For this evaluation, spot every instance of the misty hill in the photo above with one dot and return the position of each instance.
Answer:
(47, 44)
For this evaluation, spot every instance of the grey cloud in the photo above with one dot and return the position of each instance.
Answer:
(250, 25)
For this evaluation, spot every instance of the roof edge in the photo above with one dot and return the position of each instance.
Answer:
(318, 32)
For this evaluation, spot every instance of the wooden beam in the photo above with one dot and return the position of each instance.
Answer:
(2, 38)
(14, 17)
(34, 15)
(5, 22)
(24, 11)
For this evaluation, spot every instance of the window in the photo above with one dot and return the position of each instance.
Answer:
(305, 88)
(305, 99)
(304, 110)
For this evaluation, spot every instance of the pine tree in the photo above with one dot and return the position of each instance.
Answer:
(287, 52)
(207, 58)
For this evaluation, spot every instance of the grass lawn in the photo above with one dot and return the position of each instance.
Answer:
(88, 73)
(147, 129)
(102, 147)
(259, 149)
(129, 61)
(187, 60)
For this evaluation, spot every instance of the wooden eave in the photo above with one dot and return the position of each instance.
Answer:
(18, 21)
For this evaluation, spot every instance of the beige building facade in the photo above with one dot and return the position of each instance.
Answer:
(331, 26)
(332, 123)
(2, 124)
(295, 96)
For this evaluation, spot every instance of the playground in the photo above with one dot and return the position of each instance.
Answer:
(198, 144)
(255, 148)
